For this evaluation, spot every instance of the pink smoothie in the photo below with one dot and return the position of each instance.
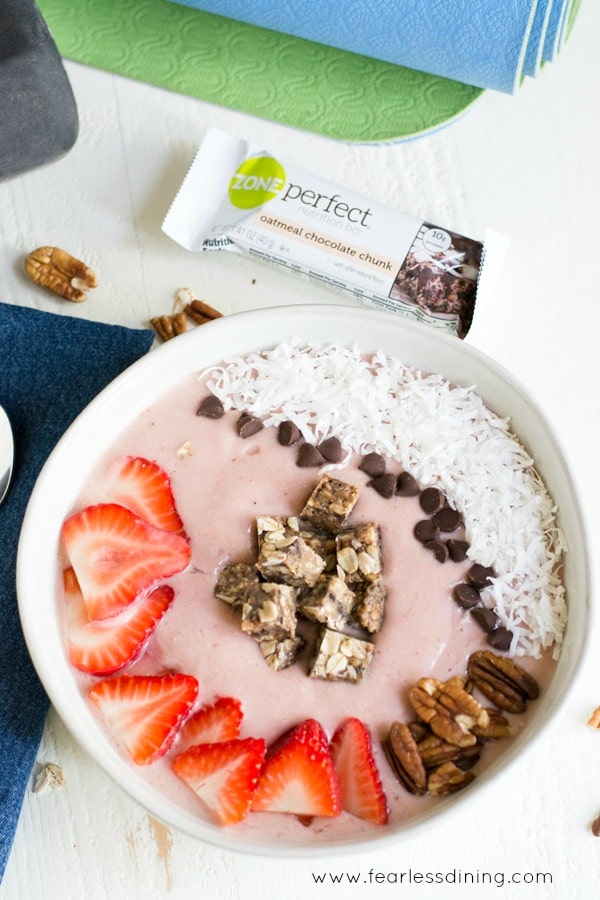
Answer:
(221, 483)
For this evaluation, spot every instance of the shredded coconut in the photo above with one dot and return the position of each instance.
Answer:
(443, 435)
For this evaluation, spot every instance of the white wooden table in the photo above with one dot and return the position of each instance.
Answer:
(528, 166)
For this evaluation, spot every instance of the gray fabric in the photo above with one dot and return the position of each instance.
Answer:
(38, 113)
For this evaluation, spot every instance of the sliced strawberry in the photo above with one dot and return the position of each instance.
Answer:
(116, 555)
(104, 647)
(362, 791)
(224, 775)
(299, 777)
(142, 486)
(145, 711)
(214, 722)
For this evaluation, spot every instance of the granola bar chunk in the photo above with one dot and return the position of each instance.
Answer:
(358, 552)
(269, 611)
(339, 657)
(330, 602)
(279, 654)
(322, 543)
(232, 583)
(330, 504)
(284, 556)
(369, 605)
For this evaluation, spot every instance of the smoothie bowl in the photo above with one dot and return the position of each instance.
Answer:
(304, 578)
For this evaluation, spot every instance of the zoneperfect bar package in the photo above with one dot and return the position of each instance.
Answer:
(243, 199)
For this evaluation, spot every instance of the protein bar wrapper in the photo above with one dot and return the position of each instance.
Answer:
(241, 198)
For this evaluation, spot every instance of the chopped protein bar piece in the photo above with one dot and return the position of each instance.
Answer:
(330, 602)
(339, 657)
(322, 543)
(269, 611)
(283, 555)
(330, 504)
(280, 654)
(233, 581)
(358, 551)
(369, 605)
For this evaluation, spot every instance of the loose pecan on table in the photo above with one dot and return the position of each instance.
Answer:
(168, 327)
(60, 272)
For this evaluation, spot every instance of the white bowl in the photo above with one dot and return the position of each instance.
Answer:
(79, 450)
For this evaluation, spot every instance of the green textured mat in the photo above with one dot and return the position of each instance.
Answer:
(255, 70)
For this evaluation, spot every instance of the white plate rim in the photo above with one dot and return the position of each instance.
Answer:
(245, 332)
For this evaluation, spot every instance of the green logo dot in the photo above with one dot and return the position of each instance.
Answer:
(257, 180)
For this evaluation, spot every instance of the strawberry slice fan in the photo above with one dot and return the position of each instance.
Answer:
(52, 366)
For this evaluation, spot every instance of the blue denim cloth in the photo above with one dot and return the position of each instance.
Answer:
(50, 367)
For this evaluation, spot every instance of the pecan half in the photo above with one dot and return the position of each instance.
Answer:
(434, 751)
(60, 272)
(448, 709)
(594, 719)
(497, 727)
(418, 730)
(403, 756)
(201, 312)
(168, 327)
(502, 681)
(447, 779)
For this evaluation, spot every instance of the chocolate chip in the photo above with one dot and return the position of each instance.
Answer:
(425, 530)
(457, 550)
(486, 618)
(439, 550)
(309, 457)
(373, 464)
(288, 433)
(431, 499)
(331, 449)
(466, 595)
(479, 576)
(446, 519)
(500, 638)
(596, 827)
(211, 407)
(384, 484)
(248, 425)
(406, 485)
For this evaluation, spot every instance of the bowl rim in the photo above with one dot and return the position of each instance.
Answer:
(174, 358)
